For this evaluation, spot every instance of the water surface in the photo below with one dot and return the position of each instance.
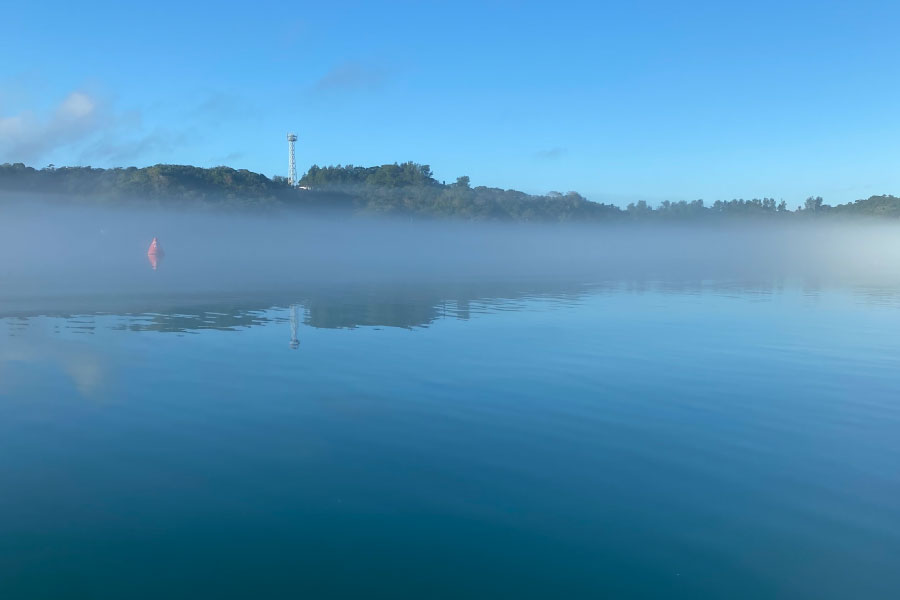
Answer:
(679, 439)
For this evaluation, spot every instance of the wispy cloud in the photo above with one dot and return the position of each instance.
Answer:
(84, 126)
(228, 159)
(351, 76)
(28, 135)
(115, 149)
(551, 153)
(221, 105)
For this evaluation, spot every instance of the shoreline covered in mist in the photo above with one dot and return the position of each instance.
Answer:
(88, 252)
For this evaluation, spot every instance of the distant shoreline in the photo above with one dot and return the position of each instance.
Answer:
(404, 189)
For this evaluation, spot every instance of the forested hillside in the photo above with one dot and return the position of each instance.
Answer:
(398, 189)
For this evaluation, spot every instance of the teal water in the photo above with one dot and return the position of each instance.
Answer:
(627, 440)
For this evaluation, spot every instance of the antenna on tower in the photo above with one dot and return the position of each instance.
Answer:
(292, 173)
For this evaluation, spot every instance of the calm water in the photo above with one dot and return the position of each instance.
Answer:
(677, 440)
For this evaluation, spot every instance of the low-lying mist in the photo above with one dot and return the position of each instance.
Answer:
(79, 252)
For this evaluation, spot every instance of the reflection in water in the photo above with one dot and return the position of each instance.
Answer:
(326, 307)
(154, 259)
(83, 365)
(546, 431)
(295, 322)
(346, 307)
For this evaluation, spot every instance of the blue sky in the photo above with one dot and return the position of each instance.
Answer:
(619, 101)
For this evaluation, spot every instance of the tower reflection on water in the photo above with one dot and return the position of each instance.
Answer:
(295, 322)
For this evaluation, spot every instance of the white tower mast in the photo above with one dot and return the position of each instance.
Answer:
(292, 173)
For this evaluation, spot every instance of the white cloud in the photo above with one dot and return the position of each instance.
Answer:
(14, 127)
(82, 126)
(29, 136)
(77, 105)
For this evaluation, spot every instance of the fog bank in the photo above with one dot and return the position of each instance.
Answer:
(96, 252)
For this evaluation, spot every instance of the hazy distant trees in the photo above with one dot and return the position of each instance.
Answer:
(695, 209)
(401, 188)
(395, 175)
(813, 204)
(875, 206)
(164, 184)
(410, 188)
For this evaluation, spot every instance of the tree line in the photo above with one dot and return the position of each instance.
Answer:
(408, 189)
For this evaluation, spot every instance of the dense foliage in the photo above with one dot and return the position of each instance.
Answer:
(397, 189)
(175, 184)
(410, 188)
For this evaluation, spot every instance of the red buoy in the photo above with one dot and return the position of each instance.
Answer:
(154, 253)
(155, 249)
